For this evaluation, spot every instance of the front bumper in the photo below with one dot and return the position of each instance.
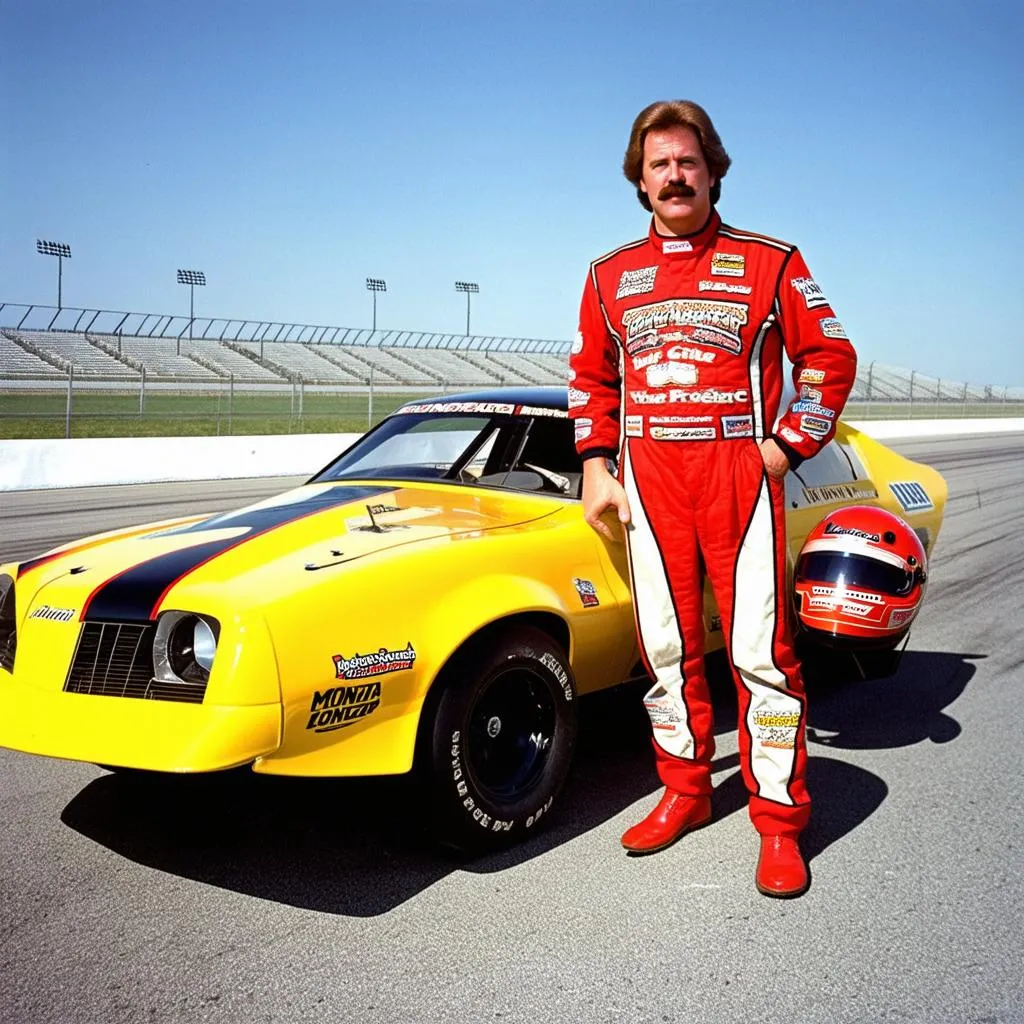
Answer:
(133, 733)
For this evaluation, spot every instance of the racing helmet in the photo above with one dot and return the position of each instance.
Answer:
(860, 578)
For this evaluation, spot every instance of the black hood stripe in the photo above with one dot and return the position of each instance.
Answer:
(136, 593)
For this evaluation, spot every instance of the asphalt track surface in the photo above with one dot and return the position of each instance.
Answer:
(251, 899)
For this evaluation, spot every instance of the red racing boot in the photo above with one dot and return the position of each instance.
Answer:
(781, 869)
(674, 816)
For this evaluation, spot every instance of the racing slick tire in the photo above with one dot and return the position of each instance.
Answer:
(501, 740)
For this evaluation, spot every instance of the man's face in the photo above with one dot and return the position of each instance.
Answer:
(676, 179)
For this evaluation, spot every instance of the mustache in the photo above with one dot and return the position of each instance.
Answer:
(677, 188)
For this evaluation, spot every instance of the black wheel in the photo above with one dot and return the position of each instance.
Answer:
(502, 738)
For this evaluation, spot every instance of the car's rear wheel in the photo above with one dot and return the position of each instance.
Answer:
(501, 740)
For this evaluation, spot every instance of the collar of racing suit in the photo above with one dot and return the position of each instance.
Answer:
(698, 241)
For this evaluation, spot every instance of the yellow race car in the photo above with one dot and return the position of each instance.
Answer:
(433, 597)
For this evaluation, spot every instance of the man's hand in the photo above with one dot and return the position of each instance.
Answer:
(602, 491)
(774, 458)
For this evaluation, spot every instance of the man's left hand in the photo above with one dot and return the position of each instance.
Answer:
(774, 458)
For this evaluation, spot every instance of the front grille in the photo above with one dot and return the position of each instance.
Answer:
(115, 659)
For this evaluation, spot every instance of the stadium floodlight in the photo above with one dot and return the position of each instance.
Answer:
(62, 251)
(470, 288)
(374, 285)
(191, 278)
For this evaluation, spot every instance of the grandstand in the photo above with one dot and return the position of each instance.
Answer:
(47, 345)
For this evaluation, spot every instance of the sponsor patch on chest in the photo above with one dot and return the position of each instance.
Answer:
(712, 322)
(636, 282)
(728, 264)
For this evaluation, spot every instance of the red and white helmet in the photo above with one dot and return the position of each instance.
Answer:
(860, 577)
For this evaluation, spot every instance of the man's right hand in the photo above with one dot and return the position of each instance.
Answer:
(601, 491)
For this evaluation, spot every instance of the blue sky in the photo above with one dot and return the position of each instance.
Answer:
(291, 150)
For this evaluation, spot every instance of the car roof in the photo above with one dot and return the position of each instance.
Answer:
(551, 396)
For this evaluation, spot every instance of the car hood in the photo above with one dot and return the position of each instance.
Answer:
(127, 575)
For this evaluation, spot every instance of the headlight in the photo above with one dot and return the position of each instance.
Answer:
(184, 647)
(8, 623)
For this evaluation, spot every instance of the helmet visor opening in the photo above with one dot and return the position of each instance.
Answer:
(850, 570)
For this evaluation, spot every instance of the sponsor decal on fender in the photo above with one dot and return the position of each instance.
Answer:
(737, 426)
(829, 493)
(831, 327)
(51, 614)
(377, 663)
(636, 282)
(587, 592)
(723, 286)
(816, 426)
(683, 433)
(716, 323)
(342, 706)
(661, 374)
(727, 264)
(811, 377)
(911, 496)
(634, 426)
(814, 298)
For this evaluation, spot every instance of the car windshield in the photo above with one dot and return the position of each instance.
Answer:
(521, 453)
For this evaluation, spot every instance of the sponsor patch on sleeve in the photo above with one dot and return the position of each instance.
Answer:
(636, 282)
(810, 394)
(815, 409)
(578, 398)
(831, 327)
(816, 426)
(791, 436)
(811, 377)
(583, 427)
(814, 297)
(911, 496)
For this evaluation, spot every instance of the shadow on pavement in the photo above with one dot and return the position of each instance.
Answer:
(359, 847)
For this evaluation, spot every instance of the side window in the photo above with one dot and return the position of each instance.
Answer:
(551, 451)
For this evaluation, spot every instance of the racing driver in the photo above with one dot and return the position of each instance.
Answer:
(676, 373)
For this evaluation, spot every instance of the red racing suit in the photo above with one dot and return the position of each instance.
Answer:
(677, 370)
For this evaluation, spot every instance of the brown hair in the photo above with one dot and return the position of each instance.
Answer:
(670, 114)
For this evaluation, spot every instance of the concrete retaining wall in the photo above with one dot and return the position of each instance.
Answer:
(81, 462)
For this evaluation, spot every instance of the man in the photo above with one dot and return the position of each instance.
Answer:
(677, 372)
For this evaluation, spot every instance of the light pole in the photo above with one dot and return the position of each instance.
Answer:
(62, 251)
(374, 285)
(191, 278)
(470, 288)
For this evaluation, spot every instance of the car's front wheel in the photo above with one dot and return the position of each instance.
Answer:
(502, 739)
